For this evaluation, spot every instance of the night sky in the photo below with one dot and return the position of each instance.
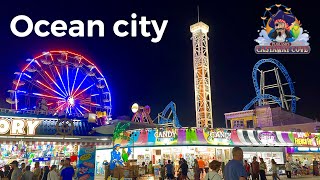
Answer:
(154, 74)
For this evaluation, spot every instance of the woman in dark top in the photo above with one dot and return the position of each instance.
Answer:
(7, 172)
(45, 173)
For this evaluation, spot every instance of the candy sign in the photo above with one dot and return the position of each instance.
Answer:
(267, 137)
(219, 134)
(165, 134)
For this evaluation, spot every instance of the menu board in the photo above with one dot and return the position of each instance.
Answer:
(86, 163)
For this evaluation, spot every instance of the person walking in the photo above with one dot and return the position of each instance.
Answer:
(288, 169)
(23, 167)
(201, 164)
(16, 173)
(62, 166)
(150, 168)
(274, 170)
(162, 172)
(315, 167)
(45, 173)
(213, 174)
(184, 170)
(7, 173)
(27, 175)
(196, 170)
(255, 169)
(170, 170)
(234, 169)
(247, 167)
(262, 169)
(68, 172)
(36, 171)
(53, 174)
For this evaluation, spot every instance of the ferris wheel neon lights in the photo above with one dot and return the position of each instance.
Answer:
(61, 82)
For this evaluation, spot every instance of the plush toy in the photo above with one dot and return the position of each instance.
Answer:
(125, 155)
(115, 157)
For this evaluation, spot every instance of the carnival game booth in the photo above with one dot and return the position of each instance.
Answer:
(162, 144)
(33, 138)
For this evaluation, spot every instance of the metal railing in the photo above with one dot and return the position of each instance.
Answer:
(34, 112)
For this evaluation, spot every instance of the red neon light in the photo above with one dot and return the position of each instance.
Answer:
(49, 96)
(82, 57)
(85, 108)
(49, 76)
(68, 52)
(57, 109)
(51, 56)
(60, 106)
(82, 91)
(48, 87)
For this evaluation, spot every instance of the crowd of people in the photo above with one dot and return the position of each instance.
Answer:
(23, 172)
(257, 170)
(302, 168)
(168, 171)
(234, 169)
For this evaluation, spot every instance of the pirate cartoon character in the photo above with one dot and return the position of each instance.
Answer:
(116, 157)
(280, 24)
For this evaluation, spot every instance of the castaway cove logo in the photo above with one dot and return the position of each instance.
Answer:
(77, 28)
(281, 33)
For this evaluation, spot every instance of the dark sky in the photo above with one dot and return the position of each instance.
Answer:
(138, 70)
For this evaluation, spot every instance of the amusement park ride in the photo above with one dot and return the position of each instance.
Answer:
(60, 83)
(263, 98)
(67, 85)
(168, 117)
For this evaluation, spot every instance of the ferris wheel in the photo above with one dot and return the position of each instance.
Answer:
(61, 83)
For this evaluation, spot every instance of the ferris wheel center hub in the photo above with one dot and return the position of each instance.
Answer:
(70, 101)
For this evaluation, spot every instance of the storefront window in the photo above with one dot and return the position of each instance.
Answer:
(161, 155)
(46, 154)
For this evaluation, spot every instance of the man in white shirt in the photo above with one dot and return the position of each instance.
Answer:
(306, 162)
(288, 169)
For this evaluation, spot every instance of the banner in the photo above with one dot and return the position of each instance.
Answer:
(86, 163)
(219, 136)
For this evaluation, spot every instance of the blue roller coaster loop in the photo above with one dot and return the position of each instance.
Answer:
(164, 120)
(265, 96)
(268, 96)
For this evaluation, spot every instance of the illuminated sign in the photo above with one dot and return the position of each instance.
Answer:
(18, 126)
(267, 137)
(165, 134)
(306, 139)
(281, 33)
(219, 134)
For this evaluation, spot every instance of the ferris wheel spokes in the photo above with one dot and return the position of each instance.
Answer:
(60, 79)
(74, 80)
